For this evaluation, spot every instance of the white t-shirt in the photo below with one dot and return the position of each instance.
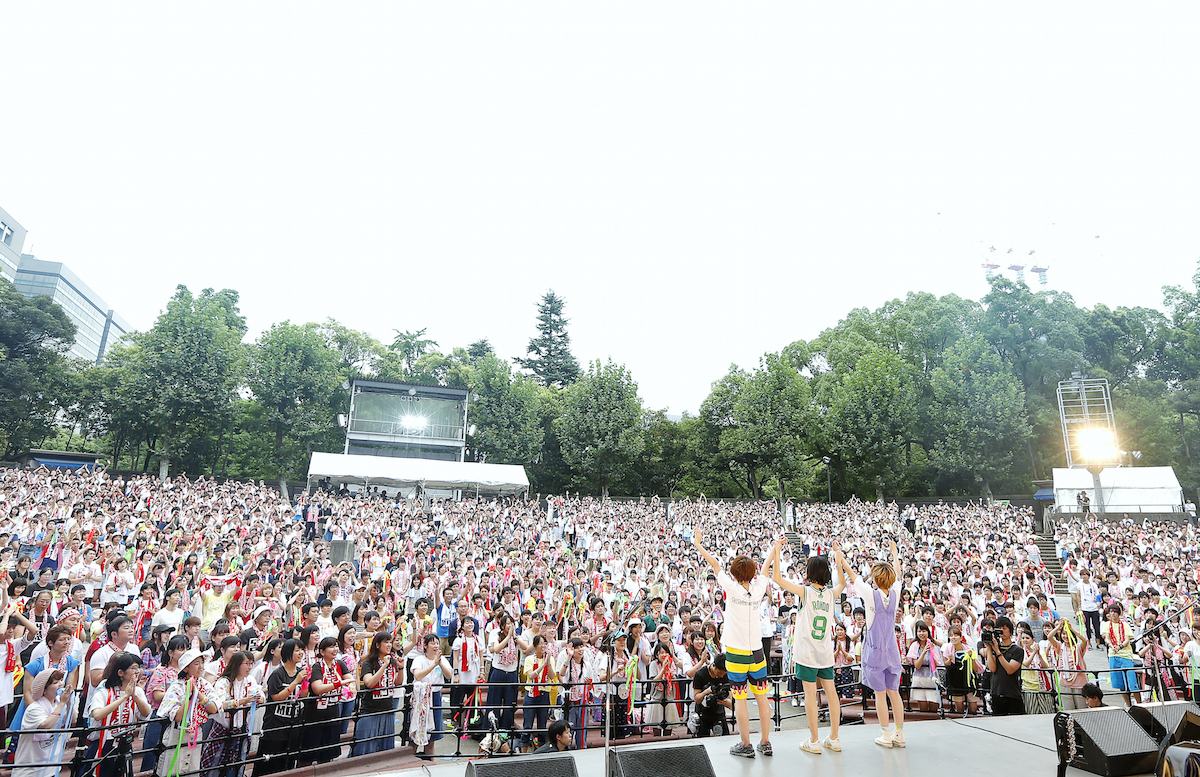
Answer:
(165, 617)
(866, 592)
(741, 630)
(435, 678)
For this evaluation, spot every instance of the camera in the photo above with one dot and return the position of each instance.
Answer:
(721, 692)
(987, 636)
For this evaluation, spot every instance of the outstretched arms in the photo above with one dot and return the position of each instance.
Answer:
(710, 558)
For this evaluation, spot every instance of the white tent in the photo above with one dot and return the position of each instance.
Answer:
(390, 472)
(1125, 489)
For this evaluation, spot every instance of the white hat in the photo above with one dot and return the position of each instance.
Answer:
(38, 685)
(187, 658)
(259, 610)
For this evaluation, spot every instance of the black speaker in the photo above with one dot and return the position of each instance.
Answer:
(1186, 732)
(1161, 720)
(1181, 760)
(523, 766)
(656, 760)
(1104, 740)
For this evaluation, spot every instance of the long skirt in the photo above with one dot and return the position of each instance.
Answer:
(371, 725)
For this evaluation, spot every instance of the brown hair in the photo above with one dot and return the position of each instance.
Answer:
(884, 575)
(743, 569)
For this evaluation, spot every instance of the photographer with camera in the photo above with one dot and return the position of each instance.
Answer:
(711, 692)
(1004, 660)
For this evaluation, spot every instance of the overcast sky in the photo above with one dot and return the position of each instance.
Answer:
(701, 182)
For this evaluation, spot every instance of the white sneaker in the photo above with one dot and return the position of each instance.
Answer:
(795, 703)
(833, 744)
(811, 747)
(884, 740)
(898, 738)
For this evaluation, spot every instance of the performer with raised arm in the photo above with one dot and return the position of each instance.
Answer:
(881, 655)
(812, 645)
(744, 660)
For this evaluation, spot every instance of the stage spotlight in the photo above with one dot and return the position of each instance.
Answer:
(1097, 444)
(414, 422)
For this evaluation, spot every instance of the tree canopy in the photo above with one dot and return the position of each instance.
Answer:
(922, 396)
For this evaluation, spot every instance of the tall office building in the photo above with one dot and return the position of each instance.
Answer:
(97, 326)
(12, 240)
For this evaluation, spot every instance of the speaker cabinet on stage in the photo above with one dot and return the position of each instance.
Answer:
(1104, 740)
(523, 766)
(1161, 720)
(341, 551)
(659, 761)
(1181, 760)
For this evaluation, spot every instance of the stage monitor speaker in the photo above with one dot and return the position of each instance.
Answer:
(1104, 740)
(523, 766)
(1161, 720)
(1181, 760)
(1186, 733)
(661, 760)
(341, 551)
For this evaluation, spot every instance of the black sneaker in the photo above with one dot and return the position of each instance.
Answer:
(745, 751)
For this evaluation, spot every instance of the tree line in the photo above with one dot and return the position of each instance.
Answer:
(924, 396)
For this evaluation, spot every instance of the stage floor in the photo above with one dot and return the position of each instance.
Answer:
(979, 747)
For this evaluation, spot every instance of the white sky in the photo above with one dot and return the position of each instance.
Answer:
(702, 182)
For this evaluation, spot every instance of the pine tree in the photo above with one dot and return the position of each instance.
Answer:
(550, 360)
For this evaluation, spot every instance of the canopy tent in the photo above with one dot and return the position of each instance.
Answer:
(391, 472)
(1125, 489)
(1044, 494)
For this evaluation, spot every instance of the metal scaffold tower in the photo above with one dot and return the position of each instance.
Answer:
(1086, 411)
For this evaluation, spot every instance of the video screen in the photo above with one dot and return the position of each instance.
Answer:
(405, 415)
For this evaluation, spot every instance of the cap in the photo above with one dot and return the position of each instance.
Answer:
(259, 610)
(162, 628)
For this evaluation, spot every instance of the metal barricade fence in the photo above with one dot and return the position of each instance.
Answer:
(119, 752)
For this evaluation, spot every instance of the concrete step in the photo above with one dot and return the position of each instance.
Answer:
(1052, 562)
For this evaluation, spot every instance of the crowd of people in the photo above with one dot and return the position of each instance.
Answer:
(207, 621)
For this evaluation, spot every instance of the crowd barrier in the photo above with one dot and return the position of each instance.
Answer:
(123, 753)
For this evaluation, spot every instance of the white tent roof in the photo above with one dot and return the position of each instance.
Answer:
(393, 472)
(1125, 489)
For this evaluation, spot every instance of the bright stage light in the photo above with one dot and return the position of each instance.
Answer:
(414, 422)
(1097, 444)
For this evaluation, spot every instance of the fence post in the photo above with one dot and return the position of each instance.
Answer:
(778, 716)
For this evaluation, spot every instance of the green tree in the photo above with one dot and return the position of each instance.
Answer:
(480, 349)
(869, 417)
(666, 456)
(602, 427)
(35, 335)
(722, 458)
(504, 414)
(358, 352)
(771, 416)
(410, 346)
(549, 472)
(1123, 343)
(294, 375)
(550, 360)
(978, 412)
(1037, 336)
(189, 366)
